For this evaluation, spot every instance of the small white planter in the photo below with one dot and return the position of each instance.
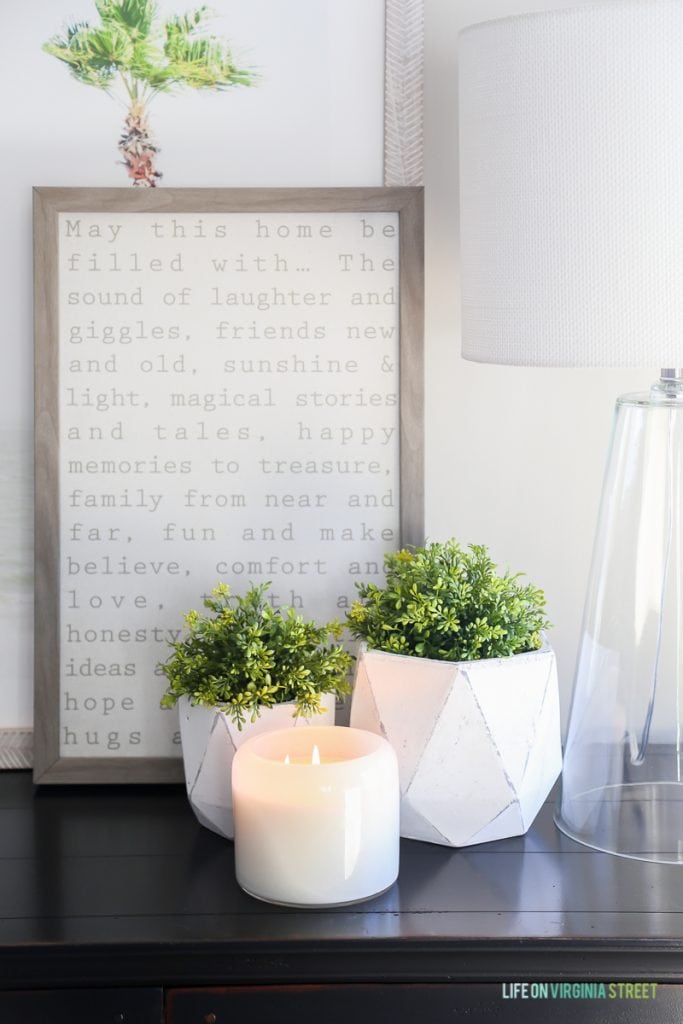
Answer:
(478, 742)
(210, 739)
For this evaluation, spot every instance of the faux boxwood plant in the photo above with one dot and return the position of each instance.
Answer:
(247, 655)
(449, 603)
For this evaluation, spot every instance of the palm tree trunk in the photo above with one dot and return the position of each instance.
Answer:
(137, 148)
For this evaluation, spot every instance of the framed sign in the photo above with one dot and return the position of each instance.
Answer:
(228, 388)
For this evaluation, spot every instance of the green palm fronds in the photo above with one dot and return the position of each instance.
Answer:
(132, 49)
(148, 56)
(136, 17)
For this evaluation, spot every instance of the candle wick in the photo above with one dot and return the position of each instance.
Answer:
(315, 756)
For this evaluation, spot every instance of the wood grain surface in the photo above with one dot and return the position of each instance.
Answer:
(104, 886)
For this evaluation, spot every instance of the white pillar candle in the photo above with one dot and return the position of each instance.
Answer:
(316, 816)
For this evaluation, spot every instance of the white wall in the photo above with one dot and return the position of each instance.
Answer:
(514, 456)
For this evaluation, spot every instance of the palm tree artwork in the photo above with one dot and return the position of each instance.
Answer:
(132, 55)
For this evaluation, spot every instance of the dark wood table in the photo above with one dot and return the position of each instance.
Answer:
(116, 906)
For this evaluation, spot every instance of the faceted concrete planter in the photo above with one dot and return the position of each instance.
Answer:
(478, 742)
(210, 740)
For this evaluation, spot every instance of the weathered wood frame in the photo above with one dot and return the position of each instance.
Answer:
(403, 91)
(407, 202)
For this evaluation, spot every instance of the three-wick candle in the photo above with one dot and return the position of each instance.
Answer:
(316, 816)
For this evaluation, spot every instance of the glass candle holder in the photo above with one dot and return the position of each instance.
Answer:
(316, 816)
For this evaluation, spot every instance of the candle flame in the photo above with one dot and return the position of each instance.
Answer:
(287, 761)
(315, 755)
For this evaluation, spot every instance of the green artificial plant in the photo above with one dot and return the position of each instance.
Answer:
(133, 53)
(448, 603)
(247, 655)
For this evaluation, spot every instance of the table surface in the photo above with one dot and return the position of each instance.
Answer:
(120, 885)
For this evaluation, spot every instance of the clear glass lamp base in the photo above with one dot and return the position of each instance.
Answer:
(622, 779)
(643, 821)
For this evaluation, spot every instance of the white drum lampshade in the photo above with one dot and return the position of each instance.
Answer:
(571, 164)
(571, 172)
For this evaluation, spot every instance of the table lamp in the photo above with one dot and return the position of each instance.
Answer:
(571, 157)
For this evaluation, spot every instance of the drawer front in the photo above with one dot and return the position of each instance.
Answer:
(83, 1006)
(416, 1004)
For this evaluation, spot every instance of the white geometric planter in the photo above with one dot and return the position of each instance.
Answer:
(478, 742)
(210, 739)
